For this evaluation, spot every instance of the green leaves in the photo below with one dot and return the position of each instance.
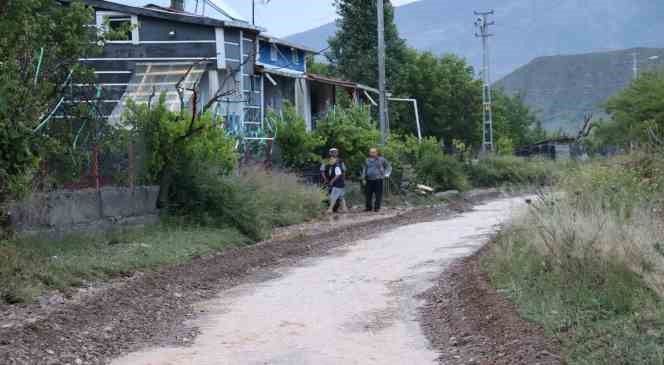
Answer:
(353, 49)
(298, 147)
(26, 27)
(637, 113)
(353, 132)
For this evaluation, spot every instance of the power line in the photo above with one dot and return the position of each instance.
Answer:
(482, 23)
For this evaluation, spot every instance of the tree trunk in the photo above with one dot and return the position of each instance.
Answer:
(165, 183)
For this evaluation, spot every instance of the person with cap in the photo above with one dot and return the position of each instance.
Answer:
(325, 178)
(338, 191)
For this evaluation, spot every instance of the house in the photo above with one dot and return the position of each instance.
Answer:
(563, 148)
(285, 78)
(283, 67)
(151, 50)
(154, 48)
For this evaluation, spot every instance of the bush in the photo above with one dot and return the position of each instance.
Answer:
(254, 202)
(500, 170)
(298, 146)
(441, 172)
(587, 264)
(353, 132)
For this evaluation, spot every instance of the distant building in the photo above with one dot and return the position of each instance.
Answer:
(563, 148)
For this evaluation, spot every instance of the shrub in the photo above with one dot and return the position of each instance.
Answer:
(500, 170)
(254, 202)
(587, 264)
(298, 146)
(441, 171)
(353, 132)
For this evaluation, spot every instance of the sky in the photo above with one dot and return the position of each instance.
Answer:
(280, 17)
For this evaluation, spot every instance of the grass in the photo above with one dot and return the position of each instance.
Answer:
(588, 264)
(30, 266)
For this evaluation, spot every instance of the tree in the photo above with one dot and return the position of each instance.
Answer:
(40, 45)
(449, 98)
(637, 112)
(514, 120)
(353, 49)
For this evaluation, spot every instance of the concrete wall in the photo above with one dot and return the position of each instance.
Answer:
(85, 210)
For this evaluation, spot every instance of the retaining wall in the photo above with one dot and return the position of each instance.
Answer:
(85, 210)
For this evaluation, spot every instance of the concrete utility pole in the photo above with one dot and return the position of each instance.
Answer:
(382, 104)
(482, 23)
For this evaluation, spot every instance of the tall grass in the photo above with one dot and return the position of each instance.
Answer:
(588, 263)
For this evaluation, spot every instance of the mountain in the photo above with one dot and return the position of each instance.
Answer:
(562, 89)
(525, 29)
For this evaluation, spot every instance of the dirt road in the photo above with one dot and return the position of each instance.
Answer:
(355, 306)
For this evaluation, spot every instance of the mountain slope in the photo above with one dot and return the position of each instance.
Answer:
(562, 89)
(525, 29)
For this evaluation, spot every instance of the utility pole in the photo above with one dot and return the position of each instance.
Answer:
(253, 12)
(382, 105)
(635, 64)
(482, 23)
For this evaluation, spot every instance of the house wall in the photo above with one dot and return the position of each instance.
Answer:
(284, 56)
(117, 63)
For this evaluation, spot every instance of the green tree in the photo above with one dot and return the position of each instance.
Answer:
(298, 147)
(513, 120)
(353, 49)
(352, 131)
(40, 45)
(449, 98)
(175, 146)
(637, 112)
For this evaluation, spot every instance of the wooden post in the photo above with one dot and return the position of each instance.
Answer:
(131, 172)
(95, 167)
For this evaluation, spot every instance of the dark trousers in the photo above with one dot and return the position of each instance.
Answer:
(374, 190)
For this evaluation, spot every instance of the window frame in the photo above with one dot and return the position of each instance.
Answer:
(101, 26)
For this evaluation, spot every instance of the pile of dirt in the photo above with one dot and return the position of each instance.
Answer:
(469, 322)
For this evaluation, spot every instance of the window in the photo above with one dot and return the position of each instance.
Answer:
(274, 52)
(118, 27)
(296, 56)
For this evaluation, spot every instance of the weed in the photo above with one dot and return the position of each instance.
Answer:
(30, 266)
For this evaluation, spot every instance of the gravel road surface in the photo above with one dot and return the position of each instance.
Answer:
(357, 305)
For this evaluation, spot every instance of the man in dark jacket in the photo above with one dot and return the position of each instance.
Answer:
(376, 170)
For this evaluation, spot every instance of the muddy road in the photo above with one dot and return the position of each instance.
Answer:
(356, 305)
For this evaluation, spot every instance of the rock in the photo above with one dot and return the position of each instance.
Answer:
(453, 341)
(50, 352)
(78, 362)
(447, 194)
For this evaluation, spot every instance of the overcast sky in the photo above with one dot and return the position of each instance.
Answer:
(280, 17)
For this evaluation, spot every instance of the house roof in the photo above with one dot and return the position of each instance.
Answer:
(339, 82)
(271, 39)
(159, 12)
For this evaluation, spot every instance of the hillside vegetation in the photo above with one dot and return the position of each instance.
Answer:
(561, 90)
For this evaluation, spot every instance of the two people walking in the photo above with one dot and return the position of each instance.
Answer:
(374, 172)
